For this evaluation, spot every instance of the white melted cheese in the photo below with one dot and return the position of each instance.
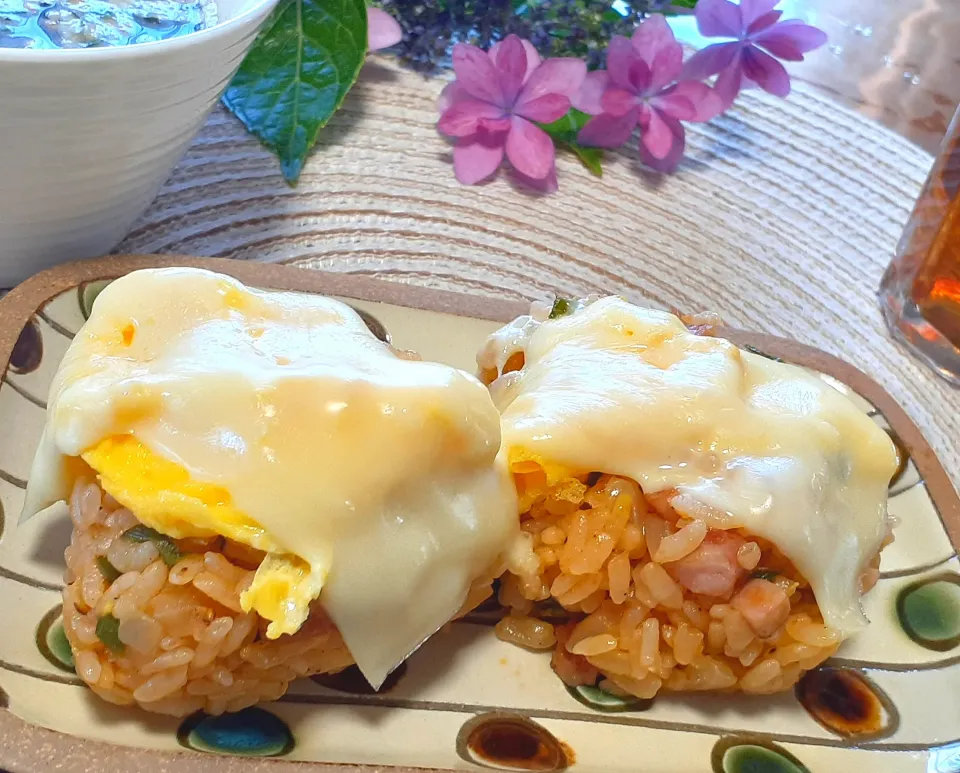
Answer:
(766, 446)
(381, 470)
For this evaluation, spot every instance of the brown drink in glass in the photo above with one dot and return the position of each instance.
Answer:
(920, 291)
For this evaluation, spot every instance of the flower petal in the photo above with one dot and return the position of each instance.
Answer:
(608, 131)
(728, 85)
(529, 149)
(671, 160)
(591, 92)
(657, 136)
(511, 67)
(707, 104)
(762, 23)
(752, 10)
(676, 104)
(545, 109)
(476, 73)
(617, 102)
(719, 19)
(790, 40)
(383, 30)
(452, 92)
(766, 71)
(461, 119)
(533, 56)
(640, 77)
(620, 57)
(652, 36)
(666, 67)
(547, 185)
(493, 126)
(710, 60)
(475, 160)
(562, 75)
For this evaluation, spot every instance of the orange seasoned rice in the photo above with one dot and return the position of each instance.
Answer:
(607, 557)
(186, 644)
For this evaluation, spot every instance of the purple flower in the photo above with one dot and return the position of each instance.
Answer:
(383, 30)
(640, 88)
(493, 106)
(758, 36)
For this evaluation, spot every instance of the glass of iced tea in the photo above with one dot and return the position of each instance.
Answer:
(920, 291)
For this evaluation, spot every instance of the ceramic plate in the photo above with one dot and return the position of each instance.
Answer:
(886, 704)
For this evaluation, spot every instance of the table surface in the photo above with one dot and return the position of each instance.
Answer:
(895, 61)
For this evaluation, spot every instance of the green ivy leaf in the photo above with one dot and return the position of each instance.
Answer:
(564, 132)
(297, 73)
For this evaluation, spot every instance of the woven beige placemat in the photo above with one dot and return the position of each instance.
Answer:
(782, 219)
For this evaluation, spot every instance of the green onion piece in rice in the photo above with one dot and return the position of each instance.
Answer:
(168, 550)
(561, 307)
(108, 631)
(108, 570)
(764, 574)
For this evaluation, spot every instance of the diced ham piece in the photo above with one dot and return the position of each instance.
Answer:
(712, 569)
(764, 605)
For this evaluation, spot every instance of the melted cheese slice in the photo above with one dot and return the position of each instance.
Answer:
(767, 446)
(279, 420)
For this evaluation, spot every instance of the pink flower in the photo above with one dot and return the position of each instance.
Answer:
(383, 30)
(493, 106)
(640, 88)
(758, 36)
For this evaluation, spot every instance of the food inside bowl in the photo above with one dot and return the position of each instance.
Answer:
(706, 518)
(260, 490)
(46, 24)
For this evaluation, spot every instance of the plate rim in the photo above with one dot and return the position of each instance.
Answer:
(28, 748)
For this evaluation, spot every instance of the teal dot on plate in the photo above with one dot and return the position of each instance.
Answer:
(52, 641)
(757, 759)
(601, 700)
(252, 732)
(929, 612)
(88, 293)
(749, 755)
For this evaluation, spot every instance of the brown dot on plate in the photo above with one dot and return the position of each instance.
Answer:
(352, 681)
(847, 703)
(511, 742)
(373, 324)
(4, 701)
(28, 350)
(903, 456)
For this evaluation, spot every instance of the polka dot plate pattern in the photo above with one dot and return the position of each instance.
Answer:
(885, 703)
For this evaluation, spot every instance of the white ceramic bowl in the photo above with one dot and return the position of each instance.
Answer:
(87, 137)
